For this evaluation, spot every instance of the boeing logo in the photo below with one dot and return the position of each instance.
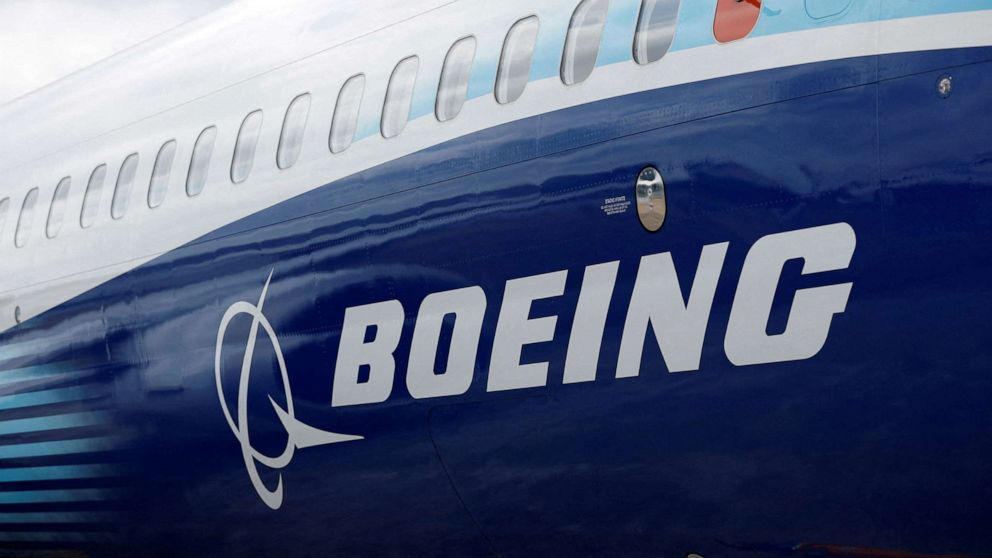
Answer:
(371, 333)
(300, 435)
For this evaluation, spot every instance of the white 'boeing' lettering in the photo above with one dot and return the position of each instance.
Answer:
(656, 303)
(679, 325)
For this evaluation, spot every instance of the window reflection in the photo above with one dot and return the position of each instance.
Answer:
(293, 126)
(399, 96)
(125, 182)
(345, 121)
(515, 61)
(56, 212)
(91, 200)
(585, 32)
(159, 184)
(454, 79)
(244, 149)
(199, 164)
(655, 30)
(26, 219)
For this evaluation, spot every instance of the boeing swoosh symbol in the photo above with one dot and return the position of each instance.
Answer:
(300, 435)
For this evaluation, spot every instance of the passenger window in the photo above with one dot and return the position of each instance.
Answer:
(244, 149)
(26, 219)
(4, 209)
(159, 184)
(399, 96)
(91, 200)
(291, 139)
(125, 182)
(735, 19)
(585, 32)
(345, 121)
(454, 79)
(655, 30)
(515, 61)
(199, 165)
(56, 212)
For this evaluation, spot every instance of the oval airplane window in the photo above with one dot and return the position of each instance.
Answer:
(515, 60)
(453, 87)
(345, 120)
(125, 182)
(159, 184)
(655, 30)
(56, 212)
(585, 33)
(293, 126)
(91, 200)
(244, 149)
(26, 220)
(652, 208)
(4, 209)
(199, 164)
(399, 96)
(735, 19)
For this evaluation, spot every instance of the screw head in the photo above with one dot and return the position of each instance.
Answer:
(944, 86)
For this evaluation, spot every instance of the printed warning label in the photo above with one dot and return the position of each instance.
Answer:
(615, 206)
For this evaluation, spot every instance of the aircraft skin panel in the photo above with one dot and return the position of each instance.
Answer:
(53, 271)
(772, 453)
(462, 341)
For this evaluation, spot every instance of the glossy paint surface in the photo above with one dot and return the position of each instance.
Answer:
(114, 431)
(109, 127)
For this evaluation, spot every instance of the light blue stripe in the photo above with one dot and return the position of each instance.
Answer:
(45, 382)
(47, 397)
(61, 447)
(17, 350)
(898, 9)
(695, 24)
(42, 372)
(57, 472)
(482, 80)
(550, 44)
(779, 17)
(618, 35)
(787, 16)
(424, 93)
(55, 422)
(695, 29)
(57, 517)
(49, 496)
(54, 537)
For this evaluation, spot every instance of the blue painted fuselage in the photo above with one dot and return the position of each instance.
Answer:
(880, 440)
